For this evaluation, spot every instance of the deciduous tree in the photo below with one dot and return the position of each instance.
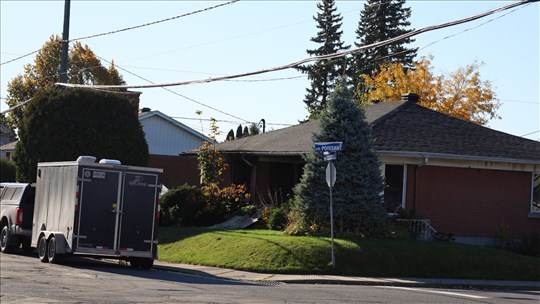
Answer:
(83, 68)
(461, 94)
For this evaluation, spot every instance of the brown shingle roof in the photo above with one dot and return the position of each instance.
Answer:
(401, 127)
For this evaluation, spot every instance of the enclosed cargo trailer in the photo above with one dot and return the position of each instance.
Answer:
(100, 209)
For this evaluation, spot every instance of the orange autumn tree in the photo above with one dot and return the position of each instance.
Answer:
(461, 94)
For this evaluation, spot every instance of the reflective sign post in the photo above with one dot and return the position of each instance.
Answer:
(329, 150)
(330, 180)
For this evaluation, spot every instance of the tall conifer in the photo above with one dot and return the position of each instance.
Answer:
(323, 74)
(381, 20)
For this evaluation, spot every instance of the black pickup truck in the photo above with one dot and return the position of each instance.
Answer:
(16, 214)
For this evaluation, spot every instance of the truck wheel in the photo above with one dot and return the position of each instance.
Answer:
(42, 250)
(51, 251)
(7, 241)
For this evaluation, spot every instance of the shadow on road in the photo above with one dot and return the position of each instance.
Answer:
(122, 268)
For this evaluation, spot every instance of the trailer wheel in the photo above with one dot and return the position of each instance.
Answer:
(141, 263)
(52, 255)
(8, 242)
(42, 249)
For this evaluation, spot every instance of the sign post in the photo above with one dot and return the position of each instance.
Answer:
(329, 150)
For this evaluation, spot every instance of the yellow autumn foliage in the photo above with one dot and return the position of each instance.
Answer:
(461, 94)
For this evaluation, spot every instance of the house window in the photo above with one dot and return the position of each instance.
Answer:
(535, 195)
(394, 187)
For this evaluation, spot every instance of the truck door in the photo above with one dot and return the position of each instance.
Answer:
(98, 210)
(138, 218)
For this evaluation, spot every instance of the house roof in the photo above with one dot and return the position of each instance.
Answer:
(146, 115)
(403, 128)
(9, 147)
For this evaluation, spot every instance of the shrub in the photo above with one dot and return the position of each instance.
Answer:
(7, 170)
(182, 205)
(277, 218)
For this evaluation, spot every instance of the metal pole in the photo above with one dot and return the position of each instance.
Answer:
(332, 223)
(65, 43)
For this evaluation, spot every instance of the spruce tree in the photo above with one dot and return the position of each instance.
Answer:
(239, 132)
(323, 74)
(381, 20)
(356, 193)
(230, 135)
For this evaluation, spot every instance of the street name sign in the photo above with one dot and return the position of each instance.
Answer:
(328, 146)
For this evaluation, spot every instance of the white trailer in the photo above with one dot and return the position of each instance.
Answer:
(100, 209)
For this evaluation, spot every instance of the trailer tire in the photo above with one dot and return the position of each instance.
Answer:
(141, 263)
(42, 249)
(52, 255)
(8, 242)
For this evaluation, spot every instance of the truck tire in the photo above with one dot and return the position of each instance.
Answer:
(8, 242)
(42, 249)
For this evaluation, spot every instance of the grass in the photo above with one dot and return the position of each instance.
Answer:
(272, 252)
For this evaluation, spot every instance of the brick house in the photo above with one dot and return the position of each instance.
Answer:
(466, 179)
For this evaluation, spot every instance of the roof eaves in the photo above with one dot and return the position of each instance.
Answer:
(459, 157)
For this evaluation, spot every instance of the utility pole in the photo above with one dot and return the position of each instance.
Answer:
(65, 43)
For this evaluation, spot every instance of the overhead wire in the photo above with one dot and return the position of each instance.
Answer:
(129, 28)
(176, 93)
(315, 58)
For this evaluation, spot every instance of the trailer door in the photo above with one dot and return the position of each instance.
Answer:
(100, 197)
(138, 216)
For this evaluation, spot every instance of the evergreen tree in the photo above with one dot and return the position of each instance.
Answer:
(84, 67)
(254, 129)
(230, 135)
(381, 20)
(323, 74)
(246, 131)
(63, 124)
(357, 201)
(239, 132)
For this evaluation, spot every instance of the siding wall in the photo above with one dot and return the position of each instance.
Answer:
(164, 138)
(472, 202)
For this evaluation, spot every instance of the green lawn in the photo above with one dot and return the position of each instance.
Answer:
(272, 252)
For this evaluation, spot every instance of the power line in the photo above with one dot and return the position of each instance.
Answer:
(530, 133)
(315, 58)
(175, 93)
(129, 28)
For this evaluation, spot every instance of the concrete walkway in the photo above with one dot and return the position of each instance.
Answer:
(263, 278)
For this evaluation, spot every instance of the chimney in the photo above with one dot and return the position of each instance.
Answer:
(410, 98)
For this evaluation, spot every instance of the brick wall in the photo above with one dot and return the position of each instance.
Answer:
(472, 202)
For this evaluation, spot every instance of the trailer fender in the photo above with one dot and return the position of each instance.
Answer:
(60, 239)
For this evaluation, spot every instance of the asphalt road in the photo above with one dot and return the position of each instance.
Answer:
(24, 279)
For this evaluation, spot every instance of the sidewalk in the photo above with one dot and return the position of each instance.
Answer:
(238, 275)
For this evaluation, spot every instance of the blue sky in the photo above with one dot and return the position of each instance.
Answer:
(253, 35)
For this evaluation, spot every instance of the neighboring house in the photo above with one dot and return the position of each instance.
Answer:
(167, 138)
(7, 142)
(466, 179)
(8, 150)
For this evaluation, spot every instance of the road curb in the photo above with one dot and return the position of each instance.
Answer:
(274, 279)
